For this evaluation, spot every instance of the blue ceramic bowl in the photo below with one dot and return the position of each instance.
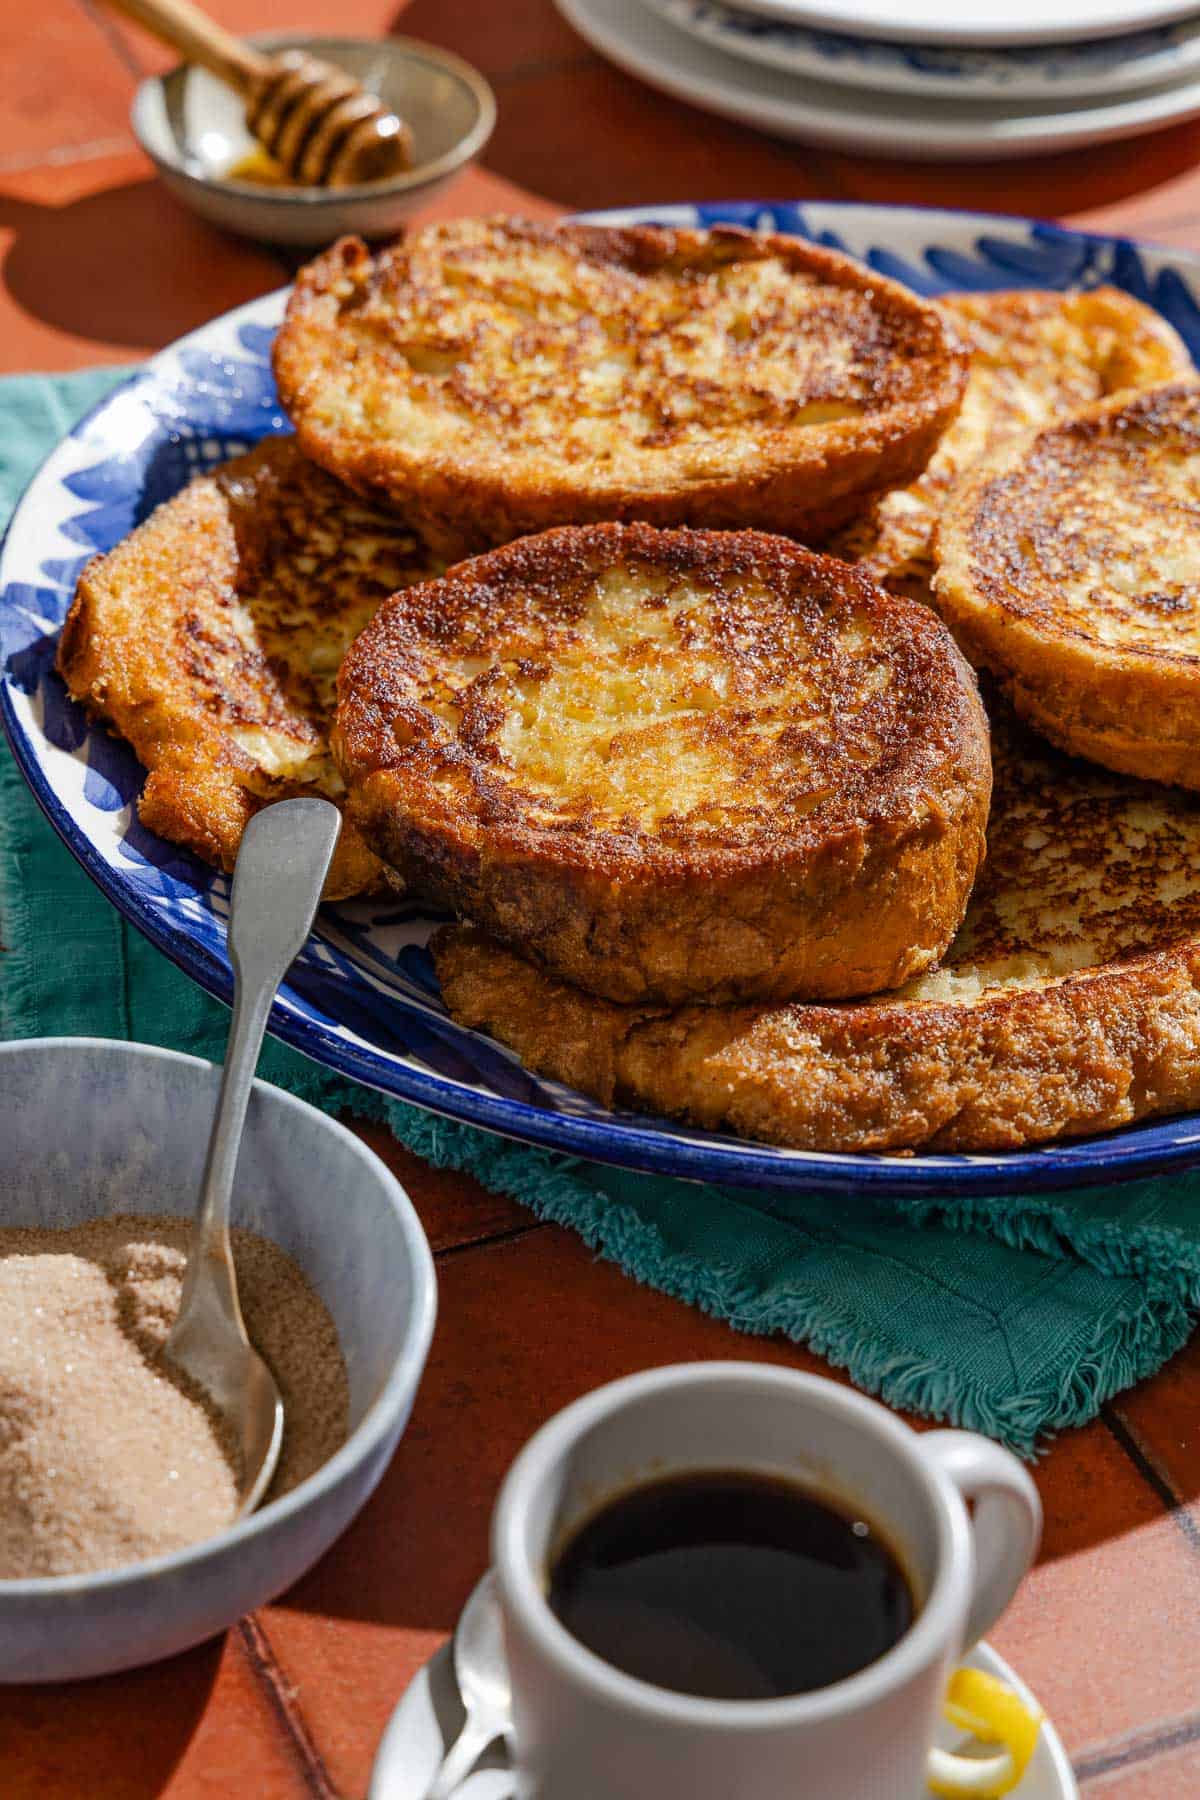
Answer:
(90, 1127)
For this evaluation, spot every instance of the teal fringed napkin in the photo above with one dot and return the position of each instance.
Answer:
(1014, 1316)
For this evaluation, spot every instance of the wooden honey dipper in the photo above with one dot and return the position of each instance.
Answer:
(320, 125)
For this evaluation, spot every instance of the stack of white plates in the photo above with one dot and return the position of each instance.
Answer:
(922, 78)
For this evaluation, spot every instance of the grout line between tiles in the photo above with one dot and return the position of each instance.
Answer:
(116, 40)
(283, 1703)
(821, 166)
(1151, 1472)
(495, 1237)
(540, 67)
(22, 162)
(1138, 1749)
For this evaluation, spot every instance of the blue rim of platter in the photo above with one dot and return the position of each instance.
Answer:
(362, 998)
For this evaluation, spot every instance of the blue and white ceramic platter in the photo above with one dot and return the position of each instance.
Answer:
(1059, 71)
(362, 997)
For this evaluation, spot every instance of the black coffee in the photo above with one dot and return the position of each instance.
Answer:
(731, 1586)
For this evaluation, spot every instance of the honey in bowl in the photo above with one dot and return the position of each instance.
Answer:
(259, 168)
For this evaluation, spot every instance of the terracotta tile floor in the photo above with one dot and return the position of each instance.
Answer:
(99, 265)
(1174, 1774)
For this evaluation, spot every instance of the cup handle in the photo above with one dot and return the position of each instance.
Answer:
(1007, 1523)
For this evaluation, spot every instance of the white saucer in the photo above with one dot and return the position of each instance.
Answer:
(429, 1717)
(983, 22)
(846, 118)
(1088, 70)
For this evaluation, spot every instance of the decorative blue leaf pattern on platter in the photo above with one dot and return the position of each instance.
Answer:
(362, 997)
(1139, 57)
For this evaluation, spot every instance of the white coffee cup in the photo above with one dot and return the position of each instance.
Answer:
(584, 1730)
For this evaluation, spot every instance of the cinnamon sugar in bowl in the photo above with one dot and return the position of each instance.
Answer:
(90, 1131)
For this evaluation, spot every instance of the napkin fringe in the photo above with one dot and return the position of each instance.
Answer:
(1121, 1351)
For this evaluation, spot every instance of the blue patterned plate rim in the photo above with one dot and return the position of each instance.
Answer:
(331, 983)
(1006, 24)
(1031, 71)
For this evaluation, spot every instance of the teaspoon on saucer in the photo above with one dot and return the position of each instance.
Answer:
(482, 1675)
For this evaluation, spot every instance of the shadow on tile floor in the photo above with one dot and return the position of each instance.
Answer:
(126, 266)
(411, 1557)
(121, 1736)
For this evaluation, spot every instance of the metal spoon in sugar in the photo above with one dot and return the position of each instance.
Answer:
(281, 867)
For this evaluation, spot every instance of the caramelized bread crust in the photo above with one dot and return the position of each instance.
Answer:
(1070, 566)
(673, 764)
(210, 639)
(506, 376)
(1035, 357)
(1069, 1003)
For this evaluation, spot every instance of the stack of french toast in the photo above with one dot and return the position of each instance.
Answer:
(630, 590)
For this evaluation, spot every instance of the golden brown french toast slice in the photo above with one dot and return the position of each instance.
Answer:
(673, 764)
(1067, 1005)
(210, 639)
(506, 376)
(1070, 566)
(1035, 357)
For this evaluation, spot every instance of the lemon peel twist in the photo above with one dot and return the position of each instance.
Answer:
(993, 1714)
